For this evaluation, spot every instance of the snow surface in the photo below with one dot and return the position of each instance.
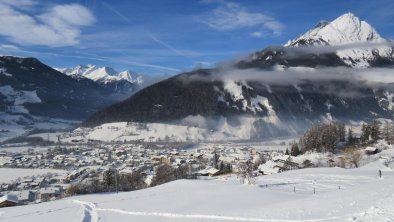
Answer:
(7, 175)
(199, 131)
(257, 103)
(321, 194)
(346, 30)
(11, 124)
(4, 72)
(18, 98)
(102, 74)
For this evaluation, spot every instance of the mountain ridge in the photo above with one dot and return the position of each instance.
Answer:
(347, 29)
(273, 105)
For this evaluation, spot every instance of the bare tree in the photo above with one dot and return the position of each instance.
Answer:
(353, 155)
(164, 173)
(322, 137)
(245, 172)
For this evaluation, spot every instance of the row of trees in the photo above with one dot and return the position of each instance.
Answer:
(327, 137)
(330, 137)
(371, 131)
(321, 138)
(166, 173)
(110, 182)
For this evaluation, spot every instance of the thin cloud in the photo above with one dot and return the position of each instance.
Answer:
(168, 46)
(296, 75)
(230, 16)
(124, 60)
(257, 34)
(151, 36)
(6, 47)
(58, 26)
(323, 49)
(20, 3)
(120, 15)
(13, 50)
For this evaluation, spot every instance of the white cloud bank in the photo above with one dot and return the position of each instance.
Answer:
(58, 26)
(230, 16)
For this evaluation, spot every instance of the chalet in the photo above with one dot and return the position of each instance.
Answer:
(285, 163)
(24, 196)
(8, 200)
(269, 168)
(209, 172)
(277, 164)
(49, 193)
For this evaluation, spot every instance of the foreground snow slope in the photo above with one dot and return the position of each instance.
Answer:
(362, 197)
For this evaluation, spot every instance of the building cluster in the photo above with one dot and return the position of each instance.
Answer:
(82, 163)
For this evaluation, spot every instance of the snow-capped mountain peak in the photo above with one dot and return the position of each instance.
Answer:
(101, 74)
(126, 82)
(347, 29)
(104, 74)
(131, 77)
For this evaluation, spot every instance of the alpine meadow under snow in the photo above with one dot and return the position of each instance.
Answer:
(302, 131)
(321, 194)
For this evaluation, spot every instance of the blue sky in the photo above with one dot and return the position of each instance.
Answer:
(166, 36)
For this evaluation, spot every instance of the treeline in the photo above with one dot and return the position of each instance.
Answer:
(328, 137)
(323, 137)
(112, 181)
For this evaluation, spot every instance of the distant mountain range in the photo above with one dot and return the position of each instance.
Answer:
(101, 74)
(279, 90)
(31, 87)
(125, 83)
(36, 96)
(279, 106)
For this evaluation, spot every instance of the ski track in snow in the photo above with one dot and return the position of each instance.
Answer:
(90, 214)
(89, 211)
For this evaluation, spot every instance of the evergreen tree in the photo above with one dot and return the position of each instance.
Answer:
(375, 130)
(109, 179)
(287, 151)
(341, 132)
(386, 131)
(350, 138)
(215, 162)
(295, 151)
(365, 133)
(164, 173)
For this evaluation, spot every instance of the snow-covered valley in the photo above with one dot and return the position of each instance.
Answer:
(314, 194)
(302, 131)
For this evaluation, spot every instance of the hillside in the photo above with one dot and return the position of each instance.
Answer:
(340, 195)
(50, 93)
(284, 88)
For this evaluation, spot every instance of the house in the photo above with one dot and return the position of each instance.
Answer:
(24, 196)
(209, 172)
(371, 150)
(285, 163)
(8, 200)
(277, 164)
(268, 168)
(49, 193)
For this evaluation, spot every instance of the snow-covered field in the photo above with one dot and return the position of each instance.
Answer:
(8, 175)
(163, 132)
(340, 195)
(10, 125)
(192, 129)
